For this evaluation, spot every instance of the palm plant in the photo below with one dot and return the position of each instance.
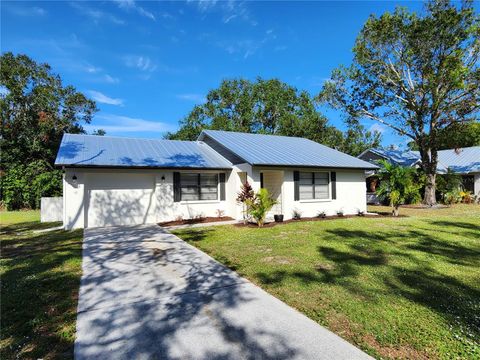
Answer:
(260, 205)
(398, 185)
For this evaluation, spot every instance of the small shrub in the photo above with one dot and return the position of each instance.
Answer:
(340, 212)
(322, 214)
(220, 213)
(467, 197)
(360, 212)
(179, 218)
(296, 215)
(453, 196)
(259, 206)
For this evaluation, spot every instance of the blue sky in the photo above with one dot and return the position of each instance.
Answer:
(148, 63)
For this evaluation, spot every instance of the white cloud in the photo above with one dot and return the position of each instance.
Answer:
(132, 5)
(280, 48)
(229, 10)
(95, 14)
(196, 98)
(143, 63)
(123, 124)
(104, 99)
(377, 127)
(27, 11)
(110, 79)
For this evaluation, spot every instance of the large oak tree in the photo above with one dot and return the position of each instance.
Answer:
(418, 74)
(270, 107)
(36, 109)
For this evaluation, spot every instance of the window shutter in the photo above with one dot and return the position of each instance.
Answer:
(261, 180)
(333, 179)
(177, 194)
(296, 181)
(222, 186)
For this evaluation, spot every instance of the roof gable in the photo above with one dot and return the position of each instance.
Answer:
(274, 150)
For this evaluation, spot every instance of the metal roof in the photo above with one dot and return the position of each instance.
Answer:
(273, 150)
(106, 151)
(461, 161)
(403, 158)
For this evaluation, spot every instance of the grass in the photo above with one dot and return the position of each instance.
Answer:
(396, 287)
(40, 279)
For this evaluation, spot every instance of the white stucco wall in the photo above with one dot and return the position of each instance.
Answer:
(51, 209)
(104, 197)
(477, 184)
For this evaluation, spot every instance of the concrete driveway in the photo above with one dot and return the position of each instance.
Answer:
(146, 294)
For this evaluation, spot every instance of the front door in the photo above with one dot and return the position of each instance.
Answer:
(272, 181)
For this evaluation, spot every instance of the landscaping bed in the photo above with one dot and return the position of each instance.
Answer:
(199, 220)
(316, 218)
(395, 287)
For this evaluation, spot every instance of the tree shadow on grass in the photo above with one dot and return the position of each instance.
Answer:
(458, 224)
(359, 250)
(39, 290)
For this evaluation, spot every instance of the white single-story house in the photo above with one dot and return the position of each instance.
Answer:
(462, 161)
(125, 181)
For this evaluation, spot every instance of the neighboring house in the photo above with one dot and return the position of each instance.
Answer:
(462, 161)
(122, 181)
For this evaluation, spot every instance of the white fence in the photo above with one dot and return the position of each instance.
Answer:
(51, 209)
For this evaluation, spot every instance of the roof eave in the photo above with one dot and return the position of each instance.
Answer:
(77, 166)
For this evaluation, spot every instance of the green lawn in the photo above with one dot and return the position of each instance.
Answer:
(396, 287)
(40, 275)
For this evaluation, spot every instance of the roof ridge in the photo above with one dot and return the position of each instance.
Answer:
(131, 138)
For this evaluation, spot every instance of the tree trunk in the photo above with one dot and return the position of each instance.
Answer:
(429, 158)
(395, 210)
(429, 198)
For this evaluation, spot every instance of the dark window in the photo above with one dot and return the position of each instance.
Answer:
(314, 185)
(468, 183)
(199, 186)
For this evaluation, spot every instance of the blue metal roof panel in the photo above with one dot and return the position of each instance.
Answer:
(276, 150)
(91, 150)
(461, 161)
(403, 158)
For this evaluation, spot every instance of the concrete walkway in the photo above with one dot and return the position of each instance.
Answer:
(146, 294)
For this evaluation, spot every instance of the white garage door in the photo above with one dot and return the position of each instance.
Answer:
(120, 199)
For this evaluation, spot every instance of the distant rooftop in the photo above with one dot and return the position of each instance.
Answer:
(462, 160)
(106, 151)
(274, 150)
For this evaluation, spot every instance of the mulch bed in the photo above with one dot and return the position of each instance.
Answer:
(271, 224)
(196, 221)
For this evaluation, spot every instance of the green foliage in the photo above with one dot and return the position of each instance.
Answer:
(270, 107)
(453, 196)
(260, 205)
(398, 185)
(458, 135)
(24, 185)
(448, 183)
(36, 110)
(418, 74)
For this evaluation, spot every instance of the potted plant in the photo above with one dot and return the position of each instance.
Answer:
(322, 214)
(278, 218)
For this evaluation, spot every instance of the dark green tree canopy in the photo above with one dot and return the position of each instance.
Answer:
(417, 74)
(270, 107)
(36, 109)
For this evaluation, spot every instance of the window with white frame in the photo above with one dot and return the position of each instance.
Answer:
(198, 186)
(314, 185)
